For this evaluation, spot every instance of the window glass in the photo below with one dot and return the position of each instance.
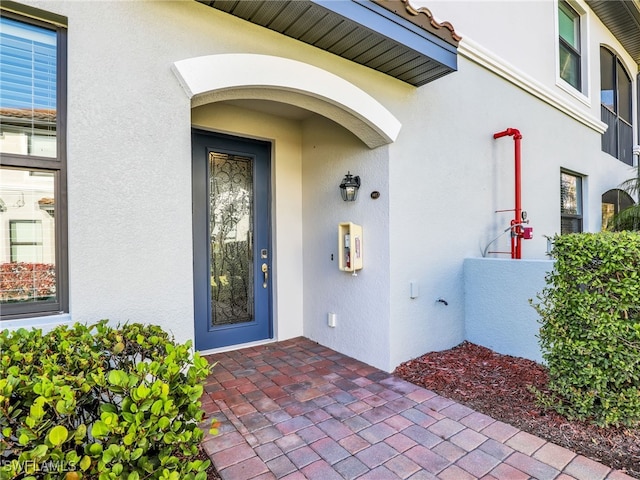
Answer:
(28, 88)
(571, 192)
(33, 220)
(570, 203)
(616, 109)
(608, 212)
(28, 236)
(26, 240)
(568, 21)
(569, 67)
(569, 44)
(607, 85)
(624, 93)
(613, 202)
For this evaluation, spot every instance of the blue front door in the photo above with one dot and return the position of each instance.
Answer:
(231, 240)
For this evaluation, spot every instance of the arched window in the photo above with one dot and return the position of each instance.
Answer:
(613, 202)
(615, 100)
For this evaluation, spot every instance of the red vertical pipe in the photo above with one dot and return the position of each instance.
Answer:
(516, 230)
(518, 180)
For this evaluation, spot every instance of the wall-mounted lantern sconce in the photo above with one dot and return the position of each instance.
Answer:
(349, 187)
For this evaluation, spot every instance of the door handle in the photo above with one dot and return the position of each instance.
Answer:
(265, 275)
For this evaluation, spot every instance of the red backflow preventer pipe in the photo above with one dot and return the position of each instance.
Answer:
(516, 224)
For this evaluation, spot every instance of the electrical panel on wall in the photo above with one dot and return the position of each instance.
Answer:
(349, 247)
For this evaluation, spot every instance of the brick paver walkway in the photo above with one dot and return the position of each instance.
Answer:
(296, 410)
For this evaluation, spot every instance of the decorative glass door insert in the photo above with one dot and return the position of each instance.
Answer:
(231, 234)
(231, 180)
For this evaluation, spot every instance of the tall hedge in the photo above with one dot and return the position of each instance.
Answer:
(590, 333)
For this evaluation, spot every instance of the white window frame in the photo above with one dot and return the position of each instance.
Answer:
(584, 93)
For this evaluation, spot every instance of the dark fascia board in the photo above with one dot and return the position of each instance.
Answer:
(408, 44)
(385, 22)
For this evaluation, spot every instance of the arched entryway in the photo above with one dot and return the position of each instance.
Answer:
(264, 98)
(215, 78)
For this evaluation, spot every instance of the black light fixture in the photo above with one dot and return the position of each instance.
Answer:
(349, 187)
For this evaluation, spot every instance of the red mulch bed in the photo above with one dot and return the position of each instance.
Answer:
(498, 386)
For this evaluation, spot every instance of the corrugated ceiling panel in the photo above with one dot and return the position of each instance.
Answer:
(419, 68)
(342, 35)
(224, 5)
(417, 63)
(332, 37)
(399, 61)
(246, 9)
(288, 16)
(267, 12)
(365, 45)
(375, 51)
(387, 56)
(303, 25)
(622, 18)
(428, 75)
(354, 38)
(327, 23)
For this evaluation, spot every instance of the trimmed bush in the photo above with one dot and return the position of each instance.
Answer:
(100, 402)
(590, 333)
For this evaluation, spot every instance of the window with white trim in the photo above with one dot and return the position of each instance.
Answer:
(33, 219)
(569, 45)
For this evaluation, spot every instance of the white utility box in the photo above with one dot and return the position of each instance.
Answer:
(349, 247)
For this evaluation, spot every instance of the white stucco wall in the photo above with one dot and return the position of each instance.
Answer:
(497, 310)
(129, 166)
(499, 27)
(465, 176)
(361, 303)
(129, 162)
(524, 34)
(129, 188)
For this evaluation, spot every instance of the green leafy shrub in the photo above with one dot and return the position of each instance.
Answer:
(590, 333)
(100, 402)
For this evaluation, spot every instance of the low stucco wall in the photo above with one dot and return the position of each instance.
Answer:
(497, 310)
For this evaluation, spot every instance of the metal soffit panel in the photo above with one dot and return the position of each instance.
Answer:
(410, 46)
(622, 18)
